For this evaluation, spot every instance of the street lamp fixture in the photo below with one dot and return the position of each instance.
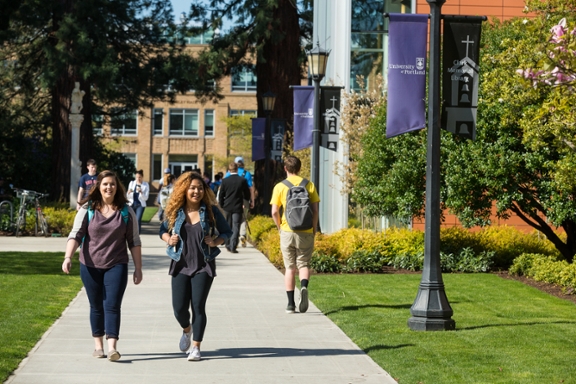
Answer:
(317, 61)
(268, 101)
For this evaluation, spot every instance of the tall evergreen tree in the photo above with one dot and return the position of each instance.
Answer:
(121, 52)
(270, 35)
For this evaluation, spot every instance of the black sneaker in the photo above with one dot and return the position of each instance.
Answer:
(290, 308)
(303, 302)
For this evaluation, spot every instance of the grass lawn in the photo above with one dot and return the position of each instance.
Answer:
(506, 332)
(149, 213)
(33, 294)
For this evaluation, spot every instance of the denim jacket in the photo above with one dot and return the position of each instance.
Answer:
(222, 229)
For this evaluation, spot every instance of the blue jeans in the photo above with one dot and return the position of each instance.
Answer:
(105, 289)
(139, 211)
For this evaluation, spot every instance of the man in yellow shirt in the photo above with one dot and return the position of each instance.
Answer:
(296, 245)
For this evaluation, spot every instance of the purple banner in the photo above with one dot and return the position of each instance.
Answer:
(406, 73)
(303, 116)
(258, 129)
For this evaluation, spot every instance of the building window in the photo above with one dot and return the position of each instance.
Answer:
(97, 124)
(183, 163)
(183, 122)
(157, 167)
(370, 38)
(244, 79)
(242, 112)
(158, 121)
(132, 158)
(123, 124)
(209, 122)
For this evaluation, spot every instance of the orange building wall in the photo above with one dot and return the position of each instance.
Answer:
(501, 9)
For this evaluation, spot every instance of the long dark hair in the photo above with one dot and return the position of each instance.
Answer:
(178, 197)
(96, 197)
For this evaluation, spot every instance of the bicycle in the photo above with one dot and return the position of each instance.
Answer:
(40, 223)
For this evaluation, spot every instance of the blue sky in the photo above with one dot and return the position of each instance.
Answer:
(180, 6)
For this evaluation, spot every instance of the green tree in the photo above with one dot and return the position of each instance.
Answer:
(517, 163)
(121, 53)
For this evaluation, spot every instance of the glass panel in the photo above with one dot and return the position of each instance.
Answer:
(367, 64)
(367, 15)
(156, 167)
(190, 123)
(367, 41)
(209, 122)
(158, 121)
(244, 79)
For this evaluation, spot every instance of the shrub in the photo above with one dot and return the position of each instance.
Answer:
(59, 220)
(366, 261)
(259, 225)
(322, 263)
(270, 245)
(509, 243)
(547, 269)
(467, 261)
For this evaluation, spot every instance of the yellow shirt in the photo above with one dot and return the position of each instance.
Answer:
(279, 198)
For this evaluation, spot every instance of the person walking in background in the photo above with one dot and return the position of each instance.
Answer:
(296, 245)
(164, 194)
(193, 229)
(86, 182)
(106, 228)
(248, 204)
(233, 192)
(138, 191)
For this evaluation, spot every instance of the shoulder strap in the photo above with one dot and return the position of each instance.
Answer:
(287, 183)
(303, 183)
(125, 214)
(90, 211)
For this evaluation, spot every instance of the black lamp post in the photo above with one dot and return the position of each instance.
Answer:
(317, 60)
(431, 310)
(268, 101)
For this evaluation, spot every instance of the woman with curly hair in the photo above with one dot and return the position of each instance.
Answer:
(193, 228)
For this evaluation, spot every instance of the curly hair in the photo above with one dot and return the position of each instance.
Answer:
(95, 196)
(178, 198)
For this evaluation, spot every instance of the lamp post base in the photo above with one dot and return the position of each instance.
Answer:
(431, 324)
(431, 310)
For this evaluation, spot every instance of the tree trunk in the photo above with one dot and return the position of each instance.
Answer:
(61, 145)
(276, 73)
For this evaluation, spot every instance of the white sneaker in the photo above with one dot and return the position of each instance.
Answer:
(194, 354)
(243, 241)
(185, 341)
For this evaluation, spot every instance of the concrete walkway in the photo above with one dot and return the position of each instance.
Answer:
(249, 338)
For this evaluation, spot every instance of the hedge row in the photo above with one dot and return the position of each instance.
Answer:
(547, 269)
(356, 250)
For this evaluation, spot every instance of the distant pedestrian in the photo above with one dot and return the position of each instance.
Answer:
(248, 204)
(86, 181)
(296, 245)
(106, 227)
(233, 192)
(193, 229)
(138, 191)
(164, 195)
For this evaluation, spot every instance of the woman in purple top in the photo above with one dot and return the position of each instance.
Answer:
(193, 229)
(105, 229)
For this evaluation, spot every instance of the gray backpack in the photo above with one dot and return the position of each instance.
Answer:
(298, 210)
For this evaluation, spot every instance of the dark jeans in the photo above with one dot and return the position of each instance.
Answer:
(139, 211)
(193, 290)
(234, 220)
(105, 289)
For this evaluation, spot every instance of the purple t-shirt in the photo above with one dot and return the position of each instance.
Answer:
(106, 239)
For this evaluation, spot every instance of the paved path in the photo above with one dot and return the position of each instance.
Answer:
(249, 337)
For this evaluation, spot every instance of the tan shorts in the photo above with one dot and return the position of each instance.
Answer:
(297, 248)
